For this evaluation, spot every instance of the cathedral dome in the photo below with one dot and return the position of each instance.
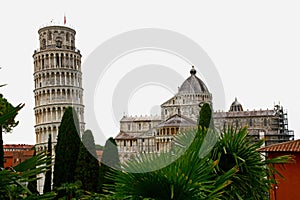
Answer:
(193, 85)
(236, 106)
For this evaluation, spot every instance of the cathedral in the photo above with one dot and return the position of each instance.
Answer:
(154, 134)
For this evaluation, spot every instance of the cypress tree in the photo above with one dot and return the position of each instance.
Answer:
(87, 170)
(206, 136)
(109, 164)
(67, 148)
(48, 176)
(205, 117)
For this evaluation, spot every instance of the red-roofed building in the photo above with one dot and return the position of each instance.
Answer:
(287, 188)
(16, 153)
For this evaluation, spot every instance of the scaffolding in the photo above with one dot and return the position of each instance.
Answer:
(279, 129)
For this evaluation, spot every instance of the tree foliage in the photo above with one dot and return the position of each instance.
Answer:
(32, 185)
(87, 169)
(205, 116)
(48, 175)
(110, 164)
(186, 177)
(8, 108)
(235, 150)
(203, 164)
(7, 121)
(67, 148)
(13, 182)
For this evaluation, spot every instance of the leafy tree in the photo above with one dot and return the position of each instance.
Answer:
(70, 191)
(7, 121)
(87, 170)
(67, 148)
(110, 164)
(48, 176)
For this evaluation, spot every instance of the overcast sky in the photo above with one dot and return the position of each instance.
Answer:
(255, 47)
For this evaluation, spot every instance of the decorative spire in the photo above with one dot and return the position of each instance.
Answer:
(193, 71)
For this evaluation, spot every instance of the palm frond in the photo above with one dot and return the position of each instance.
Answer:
(11, 113)
(14, 183)
(235, 150)
(180, 173)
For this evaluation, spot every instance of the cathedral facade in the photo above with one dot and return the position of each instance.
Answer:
(154, 134)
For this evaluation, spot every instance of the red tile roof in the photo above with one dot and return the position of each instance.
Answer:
(290, 146)
(17, 146)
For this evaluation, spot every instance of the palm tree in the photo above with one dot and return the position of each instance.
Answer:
(204, 163)
(230, 169)
(14, 182)
(253, 179)
(189, 176)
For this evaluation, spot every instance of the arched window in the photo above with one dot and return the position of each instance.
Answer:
(43, 44)
(57, 59)
(58, 43)
(236, 122)
(49, 35)
(72, 45)
(61, 60)
(72, 42)
(67, 37)
(43, 62)
(265, 122)
(128, 127)
(250, 122)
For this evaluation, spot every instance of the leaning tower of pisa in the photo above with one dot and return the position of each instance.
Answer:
(57, 81)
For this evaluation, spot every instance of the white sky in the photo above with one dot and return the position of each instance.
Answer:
(255, 46)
